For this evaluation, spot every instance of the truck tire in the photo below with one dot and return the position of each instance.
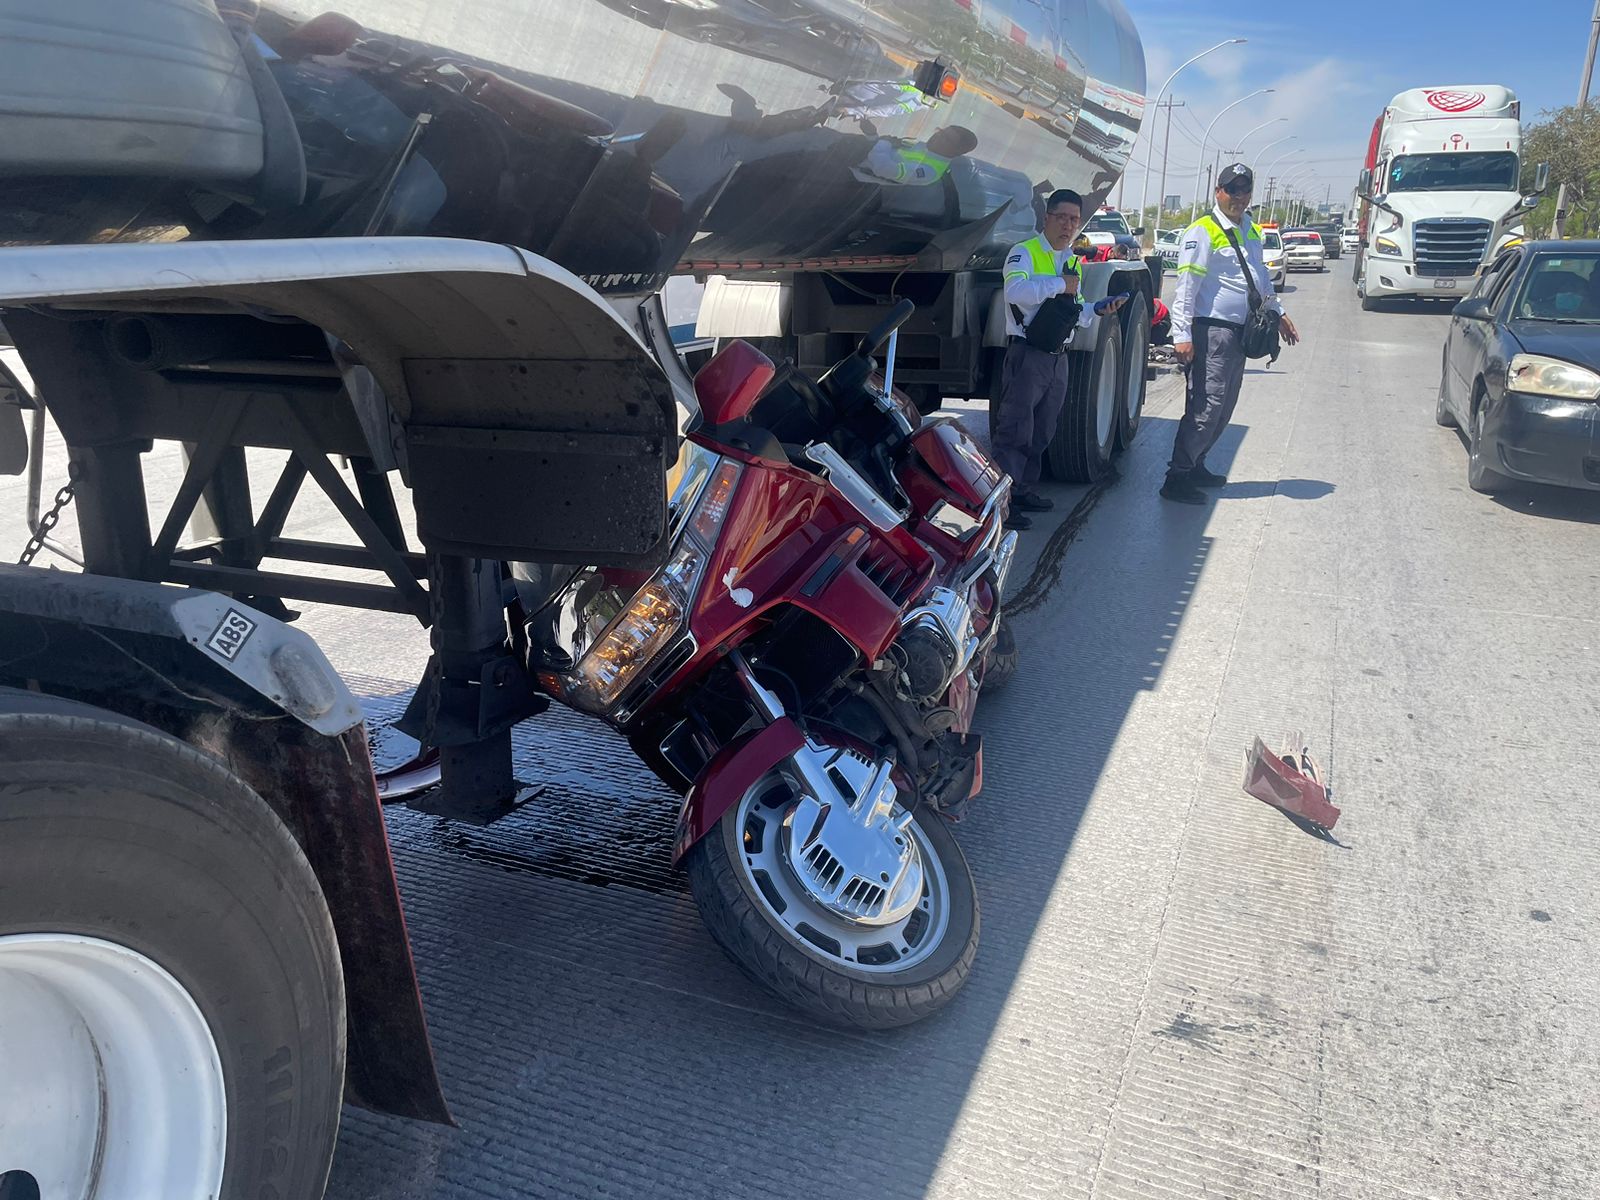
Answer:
(169, 975)
(751, 905)
(994, 362)
(1136, 354)
(1080, 451)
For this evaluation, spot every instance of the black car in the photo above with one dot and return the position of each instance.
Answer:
(1521, 371)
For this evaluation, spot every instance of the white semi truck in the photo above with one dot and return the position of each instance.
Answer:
(1440, 191)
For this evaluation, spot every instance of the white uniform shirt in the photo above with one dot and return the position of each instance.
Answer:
(1028, 291)
(1210, 284)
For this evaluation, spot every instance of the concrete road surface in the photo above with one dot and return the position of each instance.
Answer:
(1179, 992)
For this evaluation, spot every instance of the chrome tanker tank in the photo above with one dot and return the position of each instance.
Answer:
(625, 139)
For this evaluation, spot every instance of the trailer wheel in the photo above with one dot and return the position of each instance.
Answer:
(170, 985)
(994, 362)
(1136, 351)
(1080, 451)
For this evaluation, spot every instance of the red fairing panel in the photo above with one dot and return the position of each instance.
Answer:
(783, 525)
(734, 770)
(958, 463)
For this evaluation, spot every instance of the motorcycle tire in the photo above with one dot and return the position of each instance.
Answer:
(132, 858)
(1003, 659)
(736, 912)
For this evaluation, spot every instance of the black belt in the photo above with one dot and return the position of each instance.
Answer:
(1233, 325)
(1013, 340)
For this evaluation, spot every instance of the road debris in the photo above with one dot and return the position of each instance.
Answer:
(1290, 781)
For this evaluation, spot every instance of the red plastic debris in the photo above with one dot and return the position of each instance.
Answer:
(1290, 781)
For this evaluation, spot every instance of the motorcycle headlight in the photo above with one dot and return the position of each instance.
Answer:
(1540, 376)
(1386, 246)
(658, 610)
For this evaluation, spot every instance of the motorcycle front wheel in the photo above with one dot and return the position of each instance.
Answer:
(759, 897)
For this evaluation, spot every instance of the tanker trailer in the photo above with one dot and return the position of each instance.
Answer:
(814, 159)
(427, 238)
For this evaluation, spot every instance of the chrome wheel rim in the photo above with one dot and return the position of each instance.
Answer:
(1137, 353)
(1105, 412)
(765, 821)
(116, 1087)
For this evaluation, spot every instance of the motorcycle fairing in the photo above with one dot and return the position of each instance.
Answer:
(730, 774)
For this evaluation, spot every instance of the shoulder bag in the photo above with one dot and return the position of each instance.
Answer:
(1260, 335)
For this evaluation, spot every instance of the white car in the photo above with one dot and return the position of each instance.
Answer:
(1277, 262)
(1350, 239)
(1304, 250)
(1168, 243)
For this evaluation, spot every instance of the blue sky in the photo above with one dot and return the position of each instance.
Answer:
(1334, 66)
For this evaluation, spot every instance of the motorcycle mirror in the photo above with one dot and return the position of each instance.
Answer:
(729, 384)
(872, 341)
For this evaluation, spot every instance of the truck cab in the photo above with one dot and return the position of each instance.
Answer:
(1441, 190)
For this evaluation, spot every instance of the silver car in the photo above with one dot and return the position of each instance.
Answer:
(1304, 251)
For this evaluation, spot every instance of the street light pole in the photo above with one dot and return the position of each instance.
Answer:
(1560, 229)
(1206, 137)
(1144, 183)
(1285, 154)
(1288, 137)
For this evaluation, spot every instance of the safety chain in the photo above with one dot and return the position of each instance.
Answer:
(47, 522)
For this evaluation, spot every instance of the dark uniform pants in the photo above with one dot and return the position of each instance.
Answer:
(1215, 376)
(1033, 387)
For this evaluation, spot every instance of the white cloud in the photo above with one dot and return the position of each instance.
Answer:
(1328, 103)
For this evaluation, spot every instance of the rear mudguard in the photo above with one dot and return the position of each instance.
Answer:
(730, 774)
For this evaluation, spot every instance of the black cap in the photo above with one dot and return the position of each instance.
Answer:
(1234, 171)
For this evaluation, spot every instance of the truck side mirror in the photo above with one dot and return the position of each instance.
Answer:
(1541, 178)
(1139, 231)
(1364, 184)
(1530, 201)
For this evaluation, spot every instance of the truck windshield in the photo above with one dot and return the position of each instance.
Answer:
(1493, 171)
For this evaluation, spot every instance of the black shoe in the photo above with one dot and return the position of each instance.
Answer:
(1182, 491)
(1031, 502)
(1200, 477)
(1017, 521)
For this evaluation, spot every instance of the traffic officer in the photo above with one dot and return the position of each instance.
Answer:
(1033, 383)
(1210, 303)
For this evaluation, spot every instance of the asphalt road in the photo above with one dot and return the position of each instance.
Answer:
(1179, 992)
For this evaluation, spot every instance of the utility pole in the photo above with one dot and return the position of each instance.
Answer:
(1161, 200)
(1583, 102)
(1144, 180)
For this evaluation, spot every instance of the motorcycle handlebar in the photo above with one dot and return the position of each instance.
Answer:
(872, 341)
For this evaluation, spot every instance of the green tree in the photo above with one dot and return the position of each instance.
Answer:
(1569, 140)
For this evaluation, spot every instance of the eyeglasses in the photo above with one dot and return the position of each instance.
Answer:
(1063, 215)
(1239, 189)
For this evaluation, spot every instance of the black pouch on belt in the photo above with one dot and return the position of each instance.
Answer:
(1052, 326)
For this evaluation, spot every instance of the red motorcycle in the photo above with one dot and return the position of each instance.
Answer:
(804, 670)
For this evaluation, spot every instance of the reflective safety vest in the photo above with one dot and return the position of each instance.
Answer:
(1219, 236)
(1043, 260)
(1219, 241)
(921, 165)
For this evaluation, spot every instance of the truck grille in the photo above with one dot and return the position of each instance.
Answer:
(1446, 248)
